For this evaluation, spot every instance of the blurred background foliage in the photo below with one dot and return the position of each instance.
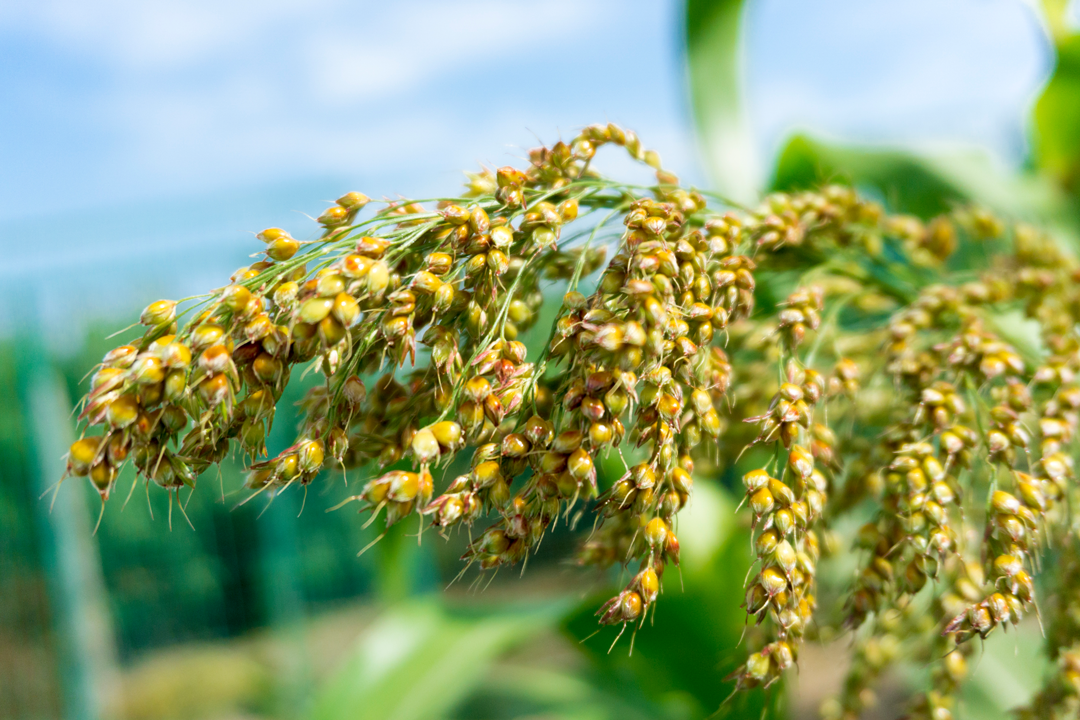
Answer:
(263, 611)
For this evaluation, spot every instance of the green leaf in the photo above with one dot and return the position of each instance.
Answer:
(420, 659)
(714, 61)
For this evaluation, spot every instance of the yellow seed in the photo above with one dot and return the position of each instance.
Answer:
(648, 584)
(102, 475)
(175, 385)
(329, 284)
(455, 215)
(424, 446)
(785, 556)
(755, 480)
(568, 210)
(285, 294)
(781, 492)
(214, 359)
(271, 234)
(310, 455)
(333, 216)
(494, 541)
(214, 390)
(356, 266)
(567, 442)
(378, 278)
(782, 655)
(656, 532)
(258, 479)
(470, 414)
(345, 309)
(314, 310)
(486, 474)
(120, 357)
(353, 201)
(404, 487)
(287, 466)
(266, 367)
(148, 370)
(282, 249)
(235, 297)
(515, 445)
(176, 355)
(784, 520)
(82, 454)
(426, 283)
(372, 247)
(161, 312)
(1007, 565)
(681, 481)
(630, 607)
(123, 411)
(773, 581)
(758, 668)
(448, 433)
(668, 406)
(502, 236)
(762, 502)
(600, 434)
(643, 475)
(801, 461)
(1004, 503)
(552, 462)
(580, 464)
(106, 379)
(539, 431)
(478, 388)
(479, 222)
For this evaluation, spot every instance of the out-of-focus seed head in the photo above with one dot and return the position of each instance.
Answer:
(353, 201)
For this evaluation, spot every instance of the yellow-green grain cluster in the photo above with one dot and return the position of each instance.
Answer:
(920, 375)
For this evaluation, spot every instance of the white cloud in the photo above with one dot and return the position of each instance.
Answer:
(923, 70)
(148, 35)
(435, 39)
(188, 96)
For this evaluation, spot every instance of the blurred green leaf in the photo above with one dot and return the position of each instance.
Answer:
(681, 655)
(714, 61)
(906, 181)
(1006, 672)
(929, 184)
(569, 694)
(1055, 15)
(1057, 117)
(420, 659)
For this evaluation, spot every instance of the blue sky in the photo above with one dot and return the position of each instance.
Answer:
(143, 143)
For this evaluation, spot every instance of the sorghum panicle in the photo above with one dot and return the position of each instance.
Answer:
(856, 355)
